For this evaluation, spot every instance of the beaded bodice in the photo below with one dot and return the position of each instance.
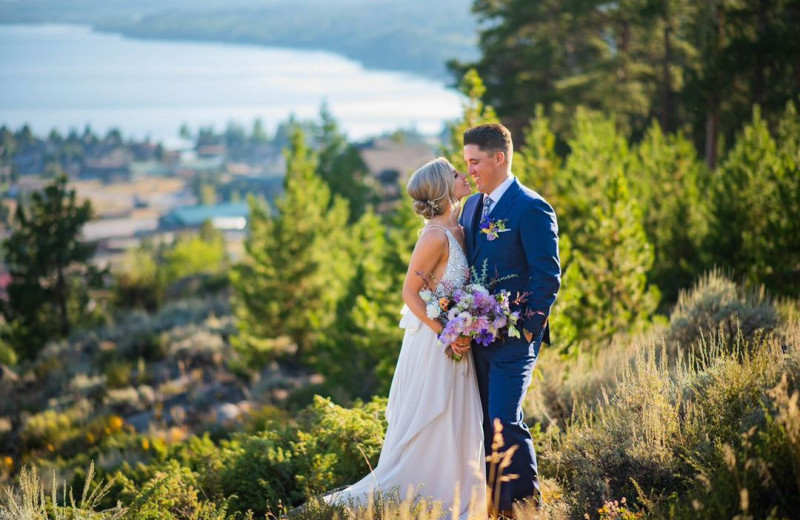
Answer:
(456, 271)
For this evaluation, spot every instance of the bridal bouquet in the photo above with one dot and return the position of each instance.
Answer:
(472, 311)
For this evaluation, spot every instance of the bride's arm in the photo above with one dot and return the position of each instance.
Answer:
(429, 251)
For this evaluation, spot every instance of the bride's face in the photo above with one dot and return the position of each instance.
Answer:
(462, 187)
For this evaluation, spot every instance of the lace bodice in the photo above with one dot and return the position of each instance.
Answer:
(456, 271)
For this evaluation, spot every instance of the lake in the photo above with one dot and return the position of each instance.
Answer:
(67, 76)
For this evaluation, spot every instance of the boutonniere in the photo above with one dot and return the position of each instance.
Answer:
(492, 228)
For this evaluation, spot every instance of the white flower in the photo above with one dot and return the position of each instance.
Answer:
(477, 288)
(433, 310)
(426, 295)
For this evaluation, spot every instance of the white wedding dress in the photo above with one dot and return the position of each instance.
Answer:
(434, 442)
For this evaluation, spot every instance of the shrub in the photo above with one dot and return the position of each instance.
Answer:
(717, 305)
(51, 429)
(138, 282)
(173, 494)
(259, 473)
(336, 446)
(118, 374)
(686, 439)
(7, 354)
(327, 449)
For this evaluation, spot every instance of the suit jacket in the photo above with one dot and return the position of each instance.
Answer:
(528, 249)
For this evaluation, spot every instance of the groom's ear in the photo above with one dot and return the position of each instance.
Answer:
(499, 157)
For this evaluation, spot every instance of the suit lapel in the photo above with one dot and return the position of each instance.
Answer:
(470, 222)
(506, 202)
(499, 212)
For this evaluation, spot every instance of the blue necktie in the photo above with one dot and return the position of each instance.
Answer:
(487, 207)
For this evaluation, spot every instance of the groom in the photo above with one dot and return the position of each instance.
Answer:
(513, 230)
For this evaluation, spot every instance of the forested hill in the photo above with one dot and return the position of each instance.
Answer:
(413, 35)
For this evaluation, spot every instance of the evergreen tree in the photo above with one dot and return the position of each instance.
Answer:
(341, 167)
(696, 64)
(611, 271)
(598, 155)
(755, 200)
(259, 135)
(474, 111)
(536, 163)
(45, 256)
(296, 268)
(360, 351)
(669, 183)
(8, 147)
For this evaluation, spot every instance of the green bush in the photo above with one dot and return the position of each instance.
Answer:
(138, 283)
(118, 374)
(196, 254)
(335, 446)
(685, 439)
(7, 354)
(52, 429)
(174, 494)
(718, 306)
(327, 449)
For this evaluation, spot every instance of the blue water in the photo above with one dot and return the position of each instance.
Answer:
(65, 76)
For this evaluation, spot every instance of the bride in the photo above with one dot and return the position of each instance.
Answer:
(434, 442)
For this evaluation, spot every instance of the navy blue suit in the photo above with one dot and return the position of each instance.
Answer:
(529, 251)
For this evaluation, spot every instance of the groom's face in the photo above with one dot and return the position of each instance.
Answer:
(482, 166)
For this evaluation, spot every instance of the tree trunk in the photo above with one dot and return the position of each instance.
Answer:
(61, 297)
(715, 87)
(666, 118)
(712, 130)
(300, 341)
(759, 82)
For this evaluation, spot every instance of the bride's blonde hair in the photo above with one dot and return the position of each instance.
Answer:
(433, 188)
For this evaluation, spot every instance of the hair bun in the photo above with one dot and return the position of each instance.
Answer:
(425, 208)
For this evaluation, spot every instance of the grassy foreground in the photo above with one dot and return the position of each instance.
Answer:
(696, 418)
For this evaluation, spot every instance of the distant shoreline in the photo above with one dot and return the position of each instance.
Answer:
(367, 59)
(65, 76)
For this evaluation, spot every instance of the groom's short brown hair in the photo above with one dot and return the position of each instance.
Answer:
(491, 138)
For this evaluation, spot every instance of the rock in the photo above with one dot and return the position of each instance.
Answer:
(226, 412)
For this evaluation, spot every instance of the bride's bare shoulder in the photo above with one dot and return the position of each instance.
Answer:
(433, 237)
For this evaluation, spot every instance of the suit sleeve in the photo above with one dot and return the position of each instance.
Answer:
(539, 235)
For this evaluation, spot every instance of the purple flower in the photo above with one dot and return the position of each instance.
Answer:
(485, 338)
(499, 322)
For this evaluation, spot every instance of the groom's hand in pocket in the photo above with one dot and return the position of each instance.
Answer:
(462, 345)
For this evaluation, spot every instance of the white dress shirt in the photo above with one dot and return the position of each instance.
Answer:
(498, 192)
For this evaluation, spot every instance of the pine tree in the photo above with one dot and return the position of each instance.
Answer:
(669, 182)
(611, 270)
(45, 256)
(475, 112)
(598, 155)
(360, 351)
(536, 163)
(755, 199)
(341, 167)
(296, 267)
